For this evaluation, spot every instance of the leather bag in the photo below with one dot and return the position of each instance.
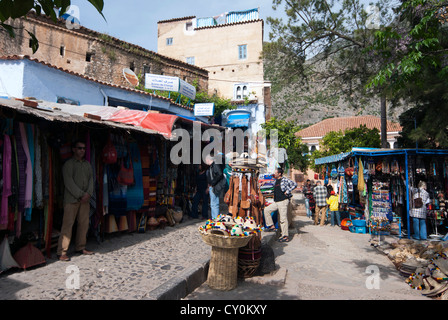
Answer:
(126, 175)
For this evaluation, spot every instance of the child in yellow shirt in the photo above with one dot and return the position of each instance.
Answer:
(333, 202)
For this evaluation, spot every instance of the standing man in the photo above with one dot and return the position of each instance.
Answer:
(201, 193)
(78, 182)
(320, 195)
(216, 181)
(282, 195)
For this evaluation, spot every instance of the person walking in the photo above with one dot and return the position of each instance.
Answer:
(201, 194)
(308, 194)
(216, 182)
(418, 212)
(333, 202)
(282, 196)
(320, 196)
(78, 184)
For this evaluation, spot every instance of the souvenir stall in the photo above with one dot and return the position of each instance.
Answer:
(127, 162)
(376, 185)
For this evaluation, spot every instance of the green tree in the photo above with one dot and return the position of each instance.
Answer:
(287, 139)
(416, 41)
(328, 43)
(13, 9)
(336, 142)
(415, 50)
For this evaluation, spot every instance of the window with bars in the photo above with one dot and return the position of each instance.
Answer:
(242, 52)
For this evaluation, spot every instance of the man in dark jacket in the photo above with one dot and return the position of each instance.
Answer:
(216, 182)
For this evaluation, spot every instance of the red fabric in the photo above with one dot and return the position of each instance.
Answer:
(160, 122)
(134, 117)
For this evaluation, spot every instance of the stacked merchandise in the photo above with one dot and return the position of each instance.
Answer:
(381, 208)
(267, 182)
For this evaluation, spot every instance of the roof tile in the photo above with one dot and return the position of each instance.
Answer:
(320, 129)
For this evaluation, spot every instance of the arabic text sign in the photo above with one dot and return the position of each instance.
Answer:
(163, 83)
(204, 109)
(187, 89)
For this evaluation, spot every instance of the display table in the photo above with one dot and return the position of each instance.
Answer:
(223, 269)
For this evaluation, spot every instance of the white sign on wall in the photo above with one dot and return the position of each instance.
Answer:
(163, 83)
(204, 109)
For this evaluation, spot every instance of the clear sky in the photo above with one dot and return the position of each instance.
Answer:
(135, 21)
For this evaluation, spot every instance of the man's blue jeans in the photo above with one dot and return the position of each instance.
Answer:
(307, 206)
(214, 203)
(419, 225)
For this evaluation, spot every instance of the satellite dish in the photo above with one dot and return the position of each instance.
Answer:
(130, 76)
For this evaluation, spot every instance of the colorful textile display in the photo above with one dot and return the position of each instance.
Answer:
(134, 193)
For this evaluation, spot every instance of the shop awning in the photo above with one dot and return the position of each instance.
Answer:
(160, 123)
(372, 152)
(332, 159)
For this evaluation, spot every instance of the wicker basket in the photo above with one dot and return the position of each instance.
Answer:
(215, 238)
(248, 262)
(223, 269)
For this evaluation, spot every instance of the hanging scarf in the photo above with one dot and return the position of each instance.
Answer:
(134, 193)
(22, 165)
(344, 191)
(6, 179)
(38, 171)
(29, 187)
(29, 168)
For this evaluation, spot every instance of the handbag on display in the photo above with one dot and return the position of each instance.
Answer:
(109, 153)
(349, 171)
(126, 175)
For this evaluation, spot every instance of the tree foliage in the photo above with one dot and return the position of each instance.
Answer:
(287, 139)
(415, 50)
(336, 142)
(325, 41)
(13, 9)
(415, 41)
